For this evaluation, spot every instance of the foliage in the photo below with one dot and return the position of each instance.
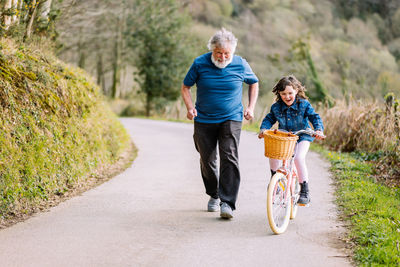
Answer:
(55, 128)
(212, 12)
(91, 36)
(346, 52)
(344, 41)
(301, 51)
(25, 18)
(372, 209)
(365, 126)
(387, 10)
(369, 128)
(162, 54)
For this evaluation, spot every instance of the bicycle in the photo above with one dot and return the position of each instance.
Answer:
(284, 187)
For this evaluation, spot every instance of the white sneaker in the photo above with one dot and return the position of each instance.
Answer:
(213, 204)
(226, 211)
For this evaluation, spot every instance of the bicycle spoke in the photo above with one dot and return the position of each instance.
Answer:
(279, 205)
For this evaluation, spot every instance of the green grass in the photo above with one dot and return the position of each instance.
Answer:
(251, 127)
(372, 210)
(55, 129)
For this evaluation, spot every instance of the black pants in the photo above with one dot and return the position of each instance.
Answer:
(224, 185)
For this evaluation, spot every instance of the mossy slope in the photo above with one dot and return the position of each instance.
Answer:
(55, 128)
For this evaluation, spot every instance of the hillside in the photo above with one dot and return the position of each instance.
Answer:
(348, 52)
(350, 49)
(56, 132)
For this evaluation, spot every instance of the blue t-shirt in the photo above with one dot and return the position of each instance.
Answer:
(219, 91)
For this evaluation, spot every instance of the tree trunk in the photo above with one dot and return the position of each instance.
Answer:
(82, 59)
(118, 48)
(100, 72)
(81, 52)
(44, 9)
(15, 8)
(115, 91)
(7, 19)
(42, 22)
(123, 89)
(148, 104)
(32, 15)
(20, 4)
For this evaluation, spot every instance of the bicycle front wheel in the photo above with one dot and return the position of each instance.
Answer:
(278, 207)
(295, 198)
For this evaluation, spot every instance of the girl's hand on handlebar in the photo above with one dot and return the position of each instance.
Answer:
(261, 134)
(319, 135)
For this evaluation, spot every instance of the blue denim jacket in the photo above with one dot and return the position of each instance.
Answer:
(293, 118)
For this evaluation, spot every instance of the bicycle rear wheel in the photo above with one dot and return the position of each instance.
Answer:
(278, 208)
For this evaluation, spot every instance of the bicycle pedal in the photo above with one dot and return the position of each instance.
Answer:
(304, 205)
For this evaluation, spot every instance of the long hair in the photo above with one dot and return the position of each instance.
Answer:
(289, 81)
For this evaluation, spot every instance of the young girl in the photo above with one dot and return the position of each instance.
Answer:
(293, 112)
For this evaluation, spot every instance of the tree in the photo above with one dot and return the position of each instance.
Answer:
(92, 37)
(301, 51)
(33, 15)
(118, 48)
(161, 45)
(364, 8)
(8, 14)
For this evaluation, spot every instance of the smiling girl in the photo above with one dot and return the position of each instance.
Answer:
(293, 112)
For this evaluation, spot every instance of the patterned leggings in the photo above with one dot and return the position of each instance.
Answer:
(299, 161)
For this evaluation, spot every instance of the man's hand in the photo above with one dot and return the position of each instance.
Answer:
(187, 98)
(191, 113)
(253, 94)
(248, 114)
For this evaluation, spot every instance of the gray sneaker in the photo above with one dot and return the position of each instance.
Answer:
(226, 211)
(213, 204)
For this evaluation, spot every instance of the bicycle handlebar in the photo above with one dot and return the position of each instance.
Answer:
(310, 132)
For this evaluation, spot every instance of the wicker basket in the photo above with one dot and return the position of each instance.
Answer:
(279, 145)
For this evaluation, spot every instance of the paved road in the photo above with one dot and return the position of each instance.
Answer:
(154, 214)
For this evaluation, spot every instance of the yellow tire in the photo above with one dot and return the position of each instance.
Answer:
(278, 208)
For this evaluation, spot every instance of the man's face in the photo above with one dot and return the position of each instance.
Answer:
(222, 56)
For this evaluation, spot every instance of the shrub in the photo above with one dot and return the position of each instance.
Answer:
(371, 128)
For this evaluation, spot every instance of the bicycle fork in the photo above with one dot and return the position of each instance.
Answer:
(289, 175)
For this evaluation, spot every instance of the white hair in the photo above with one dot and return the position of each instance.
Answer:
(222, 38)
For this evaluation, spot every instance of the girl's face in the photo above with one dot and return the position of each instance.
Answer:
(288, 95)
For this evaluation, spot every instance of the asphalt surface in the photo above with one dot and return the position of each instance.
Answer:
(154, 214)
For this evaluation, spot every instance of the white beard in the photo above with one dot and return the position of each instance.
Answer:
(222, 64)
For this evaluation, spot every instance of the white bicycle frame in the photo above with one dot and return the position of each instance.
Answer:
(289, 170)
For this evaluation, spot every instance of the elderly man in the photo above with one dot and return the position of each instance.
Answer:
(218, 115)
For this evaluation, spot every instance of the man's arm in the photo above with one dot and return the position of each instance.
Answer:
(253, 95)
(187, 98)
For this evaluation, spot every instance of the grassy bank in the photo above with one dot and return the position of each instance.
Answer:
(371, 209)
(55, 129)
